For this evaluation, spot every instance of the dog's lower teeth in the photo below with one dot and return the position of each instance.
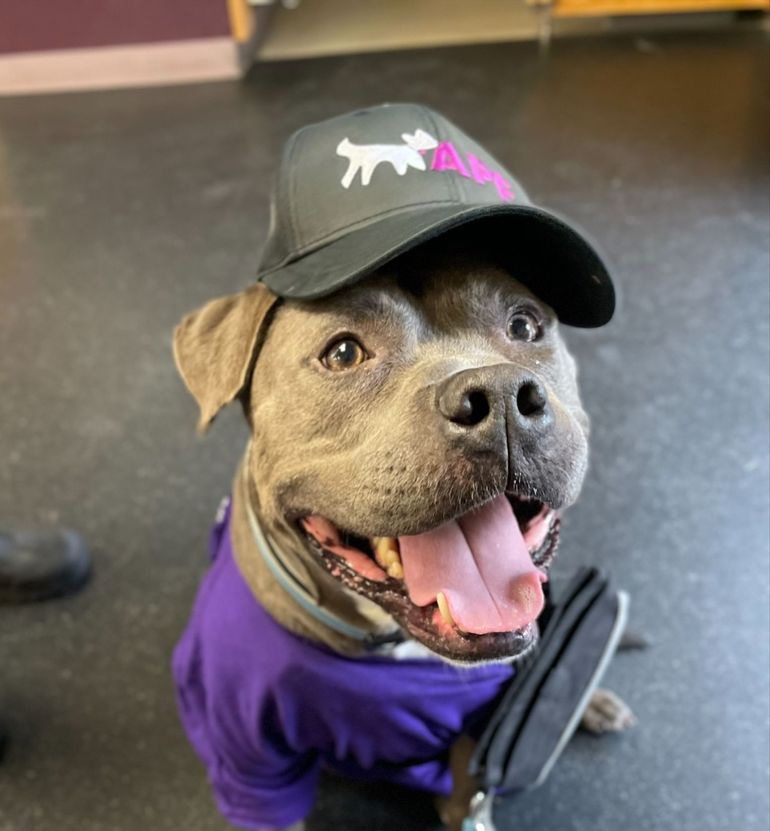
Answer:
(443, 607)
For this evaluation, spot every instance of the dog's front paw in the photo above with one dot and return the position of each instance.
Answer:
(607, 713)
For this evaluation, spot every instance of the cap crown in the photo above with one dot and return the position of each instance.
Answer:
(348, 172)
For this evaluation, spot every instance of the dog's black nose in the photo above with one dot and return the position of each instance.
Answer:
(463, 406)
(474, 397)
(531, 399)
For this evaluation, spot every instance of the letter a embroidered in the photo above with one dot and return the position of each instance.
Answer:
(447, 158)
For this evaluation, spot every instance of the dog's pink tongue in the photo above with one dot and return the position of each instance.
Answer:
(481, 563)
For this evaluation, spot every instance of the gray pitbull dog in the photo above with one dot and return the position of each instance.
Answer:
(437, 393)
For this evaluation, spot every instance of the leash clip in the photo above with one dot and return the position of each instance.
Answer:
(480, 816)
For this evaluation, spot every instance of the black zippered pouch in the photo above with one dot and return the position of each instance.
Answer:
(543, 705)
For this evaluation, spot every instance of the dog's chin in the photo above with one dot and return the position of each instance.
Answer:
(390, 572)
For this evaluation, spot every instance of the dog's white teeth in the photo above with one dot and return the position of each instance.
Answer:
(443, 607)
(387, 555)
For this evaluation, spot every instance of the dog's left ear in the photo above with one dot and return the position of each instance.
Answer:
(215, 347)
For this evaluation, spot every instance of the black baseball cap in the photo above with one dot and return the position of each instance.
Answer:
(358, 190)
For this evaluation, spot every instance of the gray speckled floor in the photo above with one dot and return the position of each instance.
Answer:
(118, 212)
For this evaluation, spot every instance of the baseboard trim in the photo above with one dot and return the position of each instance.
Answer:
(140, 65)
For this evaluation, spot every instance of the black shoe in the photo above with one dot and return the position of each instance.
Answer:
(38, 565)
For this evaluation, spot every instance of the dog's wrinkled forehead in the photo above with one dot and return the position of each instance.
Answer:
(446, 295)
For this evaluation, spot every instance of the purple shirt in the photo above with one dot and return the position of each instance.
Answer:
(265, 709)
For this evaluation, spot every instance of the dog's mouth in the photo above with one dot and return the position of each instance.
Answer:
(470, 589)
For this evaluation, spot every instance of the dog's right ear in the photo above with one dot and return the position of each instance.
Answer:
(215, 347)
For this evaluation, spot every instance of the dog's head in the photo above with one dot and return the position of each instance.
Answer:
(416, 433)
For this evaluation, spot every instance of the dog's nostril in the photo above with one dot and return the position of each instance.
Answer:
(531, 399)
(472, 409)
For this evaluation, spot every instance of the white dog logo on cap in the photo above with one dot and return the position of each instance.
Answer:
(366, 157)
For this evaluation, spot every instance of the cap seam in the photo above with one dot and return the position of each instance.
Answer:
(291, 188)
(450, 179)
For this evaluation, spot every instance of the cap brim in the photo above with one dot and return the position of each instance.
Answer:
(554, 259)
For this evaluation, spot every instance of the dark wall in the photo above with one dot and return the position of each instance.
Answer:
(30, 25)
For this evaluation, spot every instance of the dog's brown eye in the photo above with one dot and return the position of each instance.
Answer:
(524, 326)
(344, 354)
